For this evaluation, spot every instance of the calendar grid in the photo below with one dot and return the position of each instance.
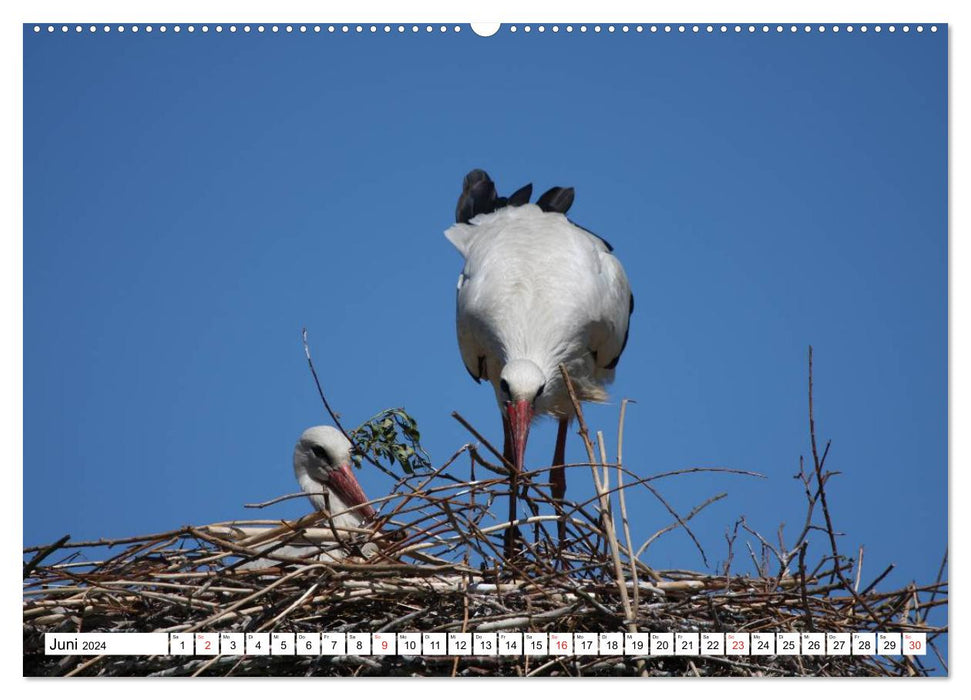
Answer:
(508, 644)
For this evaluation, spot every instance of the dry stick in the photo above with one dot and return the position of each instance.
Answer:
(112, 542)
(70, 559)
(435, 535)
(471, 503)
(245, 549)
(802, 585)
(320, 390)
(427, 476)
(488, 530)
(937, 582)
(240, 603)
(605, 474)
(763, 541)
(515, 478)
(530, 501)
(807, 525)
(337, 422)
(603, 483)
(43, 554)
(780, 536)
(465, 626)
(510, 468)
(702, 470)
(423, 500)
(623, 507)
(85, 666)
(638, 481)
(641, 668)
(755, 562)
(675, 525)
(107, 589)
(604, 504)
(149, 545)
(453, 519)
(278, 499)
(419, 492)
(754, 559)
(878, 579)
(820, 480)
(206, 666)
(730, 555)
(296, 604)
(579, 507)
(681, 521)
(598, 486)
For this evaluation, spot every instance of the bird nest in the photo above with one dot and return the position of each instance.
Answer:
(435, 562)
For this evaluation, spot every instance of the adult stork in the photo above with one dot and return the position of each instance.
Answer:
(536, 291)
(322, 460)
(322, 465)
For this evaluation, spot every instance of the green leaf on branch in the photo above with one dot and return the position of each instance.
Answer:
(391, 436)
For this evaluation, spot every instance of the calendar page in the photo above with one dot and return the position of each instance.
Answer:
(371, 348)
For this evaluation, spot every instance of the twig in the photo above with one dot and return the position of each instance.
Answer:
(43, 554)
(604, 505)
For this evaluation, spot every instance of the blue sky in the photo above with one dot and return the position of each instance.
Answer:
(192, 201)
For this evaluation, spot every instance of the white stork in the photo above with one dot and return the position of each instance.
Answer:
(322, 460)
(536, 291)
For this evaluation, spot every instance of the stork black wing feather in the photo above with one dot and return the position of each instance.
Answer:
(610, 248)
(478, 379)
(478, 196)
(613, 363)
(557, 199)
(521, 196)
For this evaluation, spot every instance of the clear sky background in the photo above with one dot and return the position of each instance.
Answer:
(192, 201)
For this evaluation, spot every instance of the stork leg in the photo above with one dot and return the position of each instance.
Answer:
(558, 476)
(512, 533)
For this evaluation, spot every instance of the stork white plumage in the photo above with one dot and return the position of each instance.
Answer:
(322, 464)
(322, 459)
(536, 291)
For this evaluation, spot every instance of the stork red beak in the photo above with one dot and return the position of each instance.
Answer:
(520, 416)
(345, 485)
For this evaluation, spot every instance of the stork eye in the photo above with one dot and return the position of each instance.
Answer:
(504, 386)
(540, 392)
(320, 453)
